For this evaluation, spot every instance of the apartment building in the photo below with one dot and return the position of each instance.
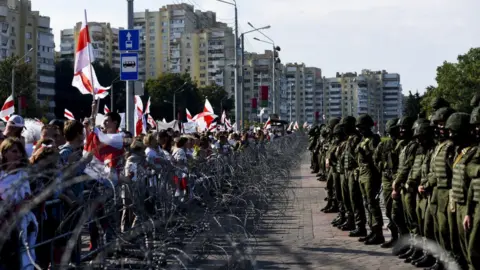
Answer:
(377, 93)
(209, 56)
(104, 41)
(258, 72)
(23, 30)
(303, 100)
(178, 39)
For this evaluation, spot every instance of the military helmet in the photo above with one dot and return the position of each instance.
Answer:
(458, 122)
(365, 120)
(475, 116)
(438, 103)
(475, 100)
(441, 115)
(405, 122)
(348, 121)
(391, 124)
(338, 129)
(332, 122)
(422, 127)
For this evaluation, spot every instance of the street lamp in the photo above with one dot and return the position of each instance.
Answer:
(242, 37)
(13, 75)
(238, 95)
(275, 60)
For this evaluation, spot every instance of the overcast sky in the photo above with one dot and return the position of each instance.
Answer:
(404, 36)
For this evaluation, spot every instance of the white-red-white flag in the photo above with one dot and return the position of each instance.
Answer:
(189, 116)
(212, 126)
(139, 126)
(8, 109)
(147, 108)
(228, 124)
(106, 109)
(107, 150)
(68, 114)
(84, 77)
(224, 117)
(267, 124)
(295, 127)
(151, 121)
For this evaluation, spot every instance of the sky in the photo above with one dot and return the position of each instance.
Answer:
(408, 37)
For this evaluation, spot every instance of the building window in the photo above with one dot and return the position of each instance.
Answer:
(28, 35)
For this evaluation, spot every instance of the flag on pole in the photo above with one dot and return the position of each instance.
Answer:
(84, 77)
(68, 114)
(189, 116)
(8, 109)
(106, 109)
(139, 125)
(267, 124)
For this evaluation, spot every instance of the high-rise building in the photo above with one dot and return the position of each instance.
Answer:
(104, 40)
(377, 93)
(179, 39)
(23, 30)
(303, 99)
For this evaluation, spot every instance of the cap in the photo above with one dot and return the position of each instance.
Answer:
(16, 121)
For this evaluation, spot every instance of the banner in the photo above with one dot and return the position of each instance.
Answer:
(254, 105)
(264, 96)
(189, 127)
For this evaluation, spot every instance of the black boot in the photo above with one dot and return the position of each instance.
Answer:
(348, 225)
(377, 237)
(358, 232)
(438, 265)
(329, 205)
(365, 238)
(418, 253)
(393, 240)
(424, 254)
(339, 221)
(332, 209)
(336, 220)
(427, 261)
(407, 254)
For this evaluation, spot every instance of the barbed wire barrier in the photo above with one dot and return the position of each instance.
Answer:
(211, 224)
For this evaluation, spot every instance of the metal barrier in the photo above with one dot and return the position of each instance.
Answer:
(213, 225)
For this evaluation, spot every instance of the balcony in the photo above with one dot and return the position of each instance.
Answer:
(4, 11)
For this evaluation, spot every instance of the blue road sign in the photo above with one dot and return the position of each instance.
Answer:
(129, 66)
(129, 40)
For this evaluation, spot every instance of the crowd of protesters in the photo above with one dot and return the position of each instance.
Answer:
(27, 169)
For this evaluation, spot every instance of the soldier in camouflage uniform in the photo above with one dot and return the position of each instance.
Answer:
(458, 125)
(471, 210)
(336, 163)
(407, 149)
(409, 189)
(386, 160)
(313, 136)
(330, 146)
(441, 167)
(369, 179)
(351, 174)
(320, 149)
(346, 168)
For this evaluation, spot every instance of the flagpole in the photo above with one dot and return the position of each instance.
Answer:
(95, 100)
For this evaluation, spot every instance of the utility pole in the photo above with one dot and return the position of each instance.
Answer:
(242, 82)
(130, 93)
(238, 97)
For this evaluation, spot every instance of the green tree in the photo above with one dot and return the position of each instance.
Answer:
(412, 105)
(25, 84)
(457, 82)
(162, 89)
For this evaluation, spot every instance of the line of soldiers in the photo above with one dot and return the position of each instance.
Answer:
(428, 173)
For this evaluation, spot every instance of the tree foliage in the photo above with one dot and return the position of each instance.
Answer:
(25, 84)
(412, 105)
(187, 96)
(68, 97)
(457, 82)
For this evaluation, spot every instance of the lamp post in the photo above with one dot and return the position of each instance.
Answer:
(242, 37)
(238, 99)
(291, 94)
(13, 74)
(274, 62)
